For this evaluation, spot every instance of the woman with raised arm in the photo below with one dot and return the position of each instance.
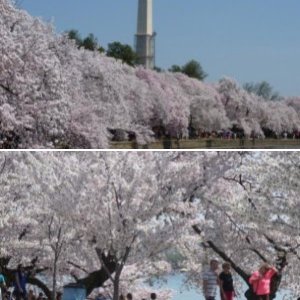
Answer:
(261, 281)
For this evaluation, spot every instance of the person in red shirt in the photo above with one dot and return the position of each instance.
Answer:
(261, 281)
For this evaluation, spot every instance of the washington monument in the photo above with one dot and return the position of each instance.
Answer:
(145, 37)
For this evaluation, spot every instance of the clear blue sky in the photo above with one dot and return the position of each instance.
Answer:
(249, 40)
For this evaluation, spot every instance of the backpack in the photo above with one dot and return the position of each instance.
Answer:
(250, 294)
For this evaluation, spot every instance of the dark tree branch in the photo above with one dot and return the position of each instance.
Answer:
(224, 256)
(3, 165)
(41, 285)
(7, 89)
(96, 279)
(77, 266)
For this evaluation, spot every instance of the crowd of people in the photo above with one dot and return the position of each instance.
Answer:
(260, 282)
(129, 296)
(213, 281)
(238, 134)
(20, 292)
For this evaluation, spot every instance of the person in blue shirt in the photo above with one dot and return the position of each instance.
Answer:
(20, 283)
(2, 284)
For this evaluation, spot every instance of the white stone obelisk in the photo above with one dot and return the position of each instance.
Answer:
(145, 37)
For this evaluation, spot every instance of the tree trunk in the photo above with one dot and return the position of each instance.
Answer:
(116, 288)
(96, 279)
(54, 279)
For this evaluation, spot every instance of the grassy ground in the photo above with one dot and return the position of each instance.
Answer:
(214, 144)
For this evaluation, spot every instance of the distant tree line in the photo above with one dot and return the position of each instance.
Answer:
(262, 89)
(192, 68)
(81, 97)
(127, 55)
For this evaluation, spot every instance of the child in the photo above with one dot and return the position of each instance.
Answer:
(226, 283)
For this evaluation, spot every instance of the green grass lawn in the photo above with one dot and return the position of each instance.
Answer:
(215, 144)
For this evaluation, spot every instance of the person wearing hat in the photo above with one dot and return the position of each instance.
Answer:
(211, 281)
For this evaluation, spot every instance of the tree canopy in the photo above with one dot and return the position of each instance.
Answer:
(123, 52)
(56, 94)
(113, 214)
(192, 69)
(262, 89)
(116, 50)
(89, 43)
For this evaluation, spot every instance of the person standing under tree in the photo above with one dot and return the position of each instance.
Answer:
(211, 281)
(226, 283)
(20, 283)
(261, 281)
(2, 284)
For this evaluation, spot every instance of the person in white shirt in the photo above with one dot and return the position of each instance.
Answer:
(210, 280)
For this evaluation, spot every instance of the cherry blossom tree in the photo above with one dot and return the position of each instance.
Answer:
(242, 109)
(207, 111)
(133, 280)
(123, 218)
(252, 218)
(53, 94)
(133, 218)
(98, 215)
(33, 85)
(294, 103)
(281, 117)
